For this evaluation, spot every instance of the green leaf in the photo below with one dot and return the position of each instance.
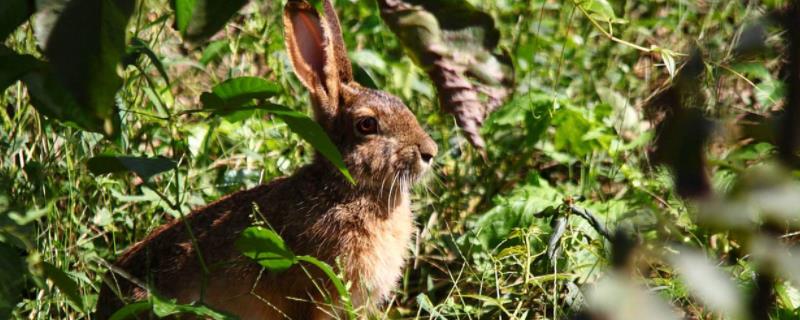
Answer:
(200, 19)
(14, 66)
(166, 307)
(601, 10)
(85, 48)
(143, 167)
(265, 247)
(236, 92)
(313, 133)
(12, 276)
(52, 99)
(214, 50)
(12, 14)
(513, 211)
(130, 311)
(64, 283)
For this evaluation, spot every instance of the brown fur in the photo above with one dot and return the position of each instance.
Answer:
(366, 226)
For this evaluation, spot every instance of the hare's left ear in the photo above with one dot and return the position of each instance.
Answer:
(318, 54)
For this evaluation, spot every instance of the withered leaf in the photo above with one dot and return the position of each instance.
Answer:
(456, 44)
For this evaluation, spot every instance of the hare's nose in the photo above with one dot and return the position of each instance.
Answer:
(427, 151)
(426, 157)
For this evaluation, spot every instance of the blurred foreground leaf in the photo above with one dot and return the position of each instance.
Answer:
(456, 44)
(12, 270)
(14, 66)
(709, 284)
(621, 298)
(12, 14)
(85, 48)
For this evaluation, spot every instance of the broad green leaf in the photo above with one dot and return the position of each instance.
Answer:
(64, 283)
(535, 110)
(312, 132)
(265, 247)
(14, 66)
(200, 19)
(457, 45)
(143, 167)
(53, 100)
(600, 9)
(513, 211)
(236, 92)
(85, 48)
(183, 13)
(130, 311)
(167, 307)
(12, 277)
(572, 129)
(12, 14)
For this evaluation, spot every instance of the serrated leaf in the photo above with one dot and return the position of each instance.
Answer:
(457, 45)
(143, 167)
(265, 247)
(236, 92)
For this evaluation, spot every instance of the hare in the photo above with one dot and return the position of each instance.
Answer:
(367, 226)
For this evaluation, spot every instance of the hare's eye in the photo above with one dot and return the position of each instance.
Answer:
(368, 125)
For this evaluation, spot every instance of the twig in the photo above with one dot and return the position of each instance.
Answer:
(588, 216)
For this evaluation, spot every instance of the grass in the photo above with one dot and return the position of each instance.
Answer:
(576, 131)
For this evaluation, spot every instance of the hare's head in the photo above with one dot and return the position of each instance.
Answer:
(379, 137)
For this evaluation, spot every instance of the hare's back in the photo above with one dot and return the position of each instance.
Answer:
(168, 259)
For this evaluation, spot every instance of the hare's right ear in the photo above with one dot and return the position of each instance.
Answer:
(318, 55)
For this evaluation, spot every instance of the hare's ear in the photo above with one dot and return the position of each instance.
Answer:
(318, 54)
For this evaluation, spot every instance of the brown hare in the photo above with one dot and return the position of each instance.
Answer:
(367, 226)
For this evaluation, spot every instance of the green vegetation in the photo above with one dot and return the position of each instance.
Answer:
(636, 168)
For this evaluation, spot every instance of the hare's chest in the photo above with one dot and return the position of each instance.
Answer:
(380, 262)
